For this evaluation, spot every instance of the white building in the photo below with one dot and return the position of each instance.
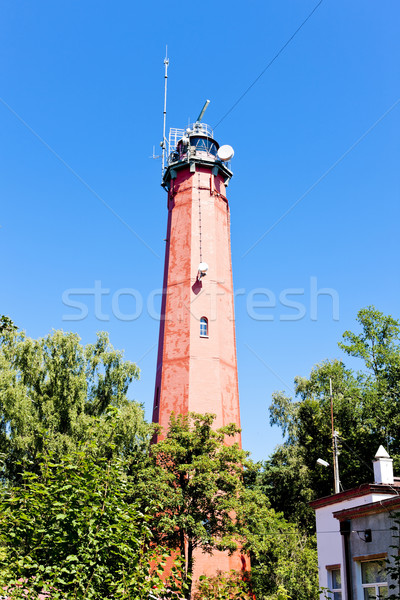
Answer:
(354, 535)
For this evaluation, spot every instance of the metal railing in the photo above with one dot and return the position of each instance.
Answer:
(180, 152)
(174, 136)
(202, 129)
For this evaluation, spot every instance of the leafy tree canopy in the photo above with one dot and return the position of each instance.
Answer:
(211, 501)
(73, 528)
(366, 414)
(54, 390)
(70, 439)
(199, 479)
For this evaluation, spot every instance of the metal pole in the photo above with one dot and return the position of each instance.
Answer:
(163, 145)
(203, 110)
(334, 447)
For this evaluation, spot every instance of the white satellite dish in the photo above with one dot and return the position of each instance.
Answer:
(225, 153)
(203, 268)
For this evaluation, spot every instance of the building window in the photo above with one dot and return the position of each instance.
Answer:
(335, 583)
(203, 327)
(374, 580)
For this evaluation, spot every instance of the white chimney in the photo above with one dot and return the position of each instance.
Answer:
(383, 467)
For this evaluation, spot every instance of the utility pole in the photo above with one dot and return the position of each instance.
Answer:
(334, 446)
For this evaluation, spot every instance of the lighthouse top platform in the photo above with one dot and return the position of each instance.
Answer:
(196, 144)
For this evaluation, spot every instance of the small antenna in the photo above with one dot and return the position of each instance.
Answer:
(203, 110)
(164, 141)
(154, 155)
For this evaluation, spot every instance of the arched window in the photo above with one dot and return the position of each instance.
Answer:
(203, 327)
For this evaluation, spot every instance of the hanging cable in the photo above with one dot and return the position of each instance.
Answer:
(269, 64)
(396, 491)
(356, 454)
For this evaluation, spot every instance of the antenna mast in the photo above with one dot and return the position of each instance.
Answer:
(164, 141)
(334, 446)
(203, 110)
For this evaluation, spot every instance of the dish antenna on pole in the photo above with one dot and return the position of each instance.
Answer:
(225, 153)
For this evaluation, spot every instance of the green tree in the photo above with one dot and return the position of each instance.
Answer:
(285, 565)
(223, 586)
(73, 528)
(209, 502)
(54, 390)
(378, 347)
(283, 559)
(199, 478)
(366, 414)
(6, 324)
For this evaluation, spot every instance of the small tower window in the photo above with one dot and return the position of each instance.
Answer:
(203, 327)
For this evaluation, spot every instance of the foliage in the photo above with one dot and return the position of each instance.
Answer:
(377, 344)
(366, 414)
(74, 529)
(211, 500)
(283, 559)
(54, 391)
(88, 500)
(223, 586)
(199, 479)
(286, 566)
(6, 324)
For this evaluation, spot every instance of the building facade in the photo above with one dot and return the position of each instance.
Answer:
(357, 537)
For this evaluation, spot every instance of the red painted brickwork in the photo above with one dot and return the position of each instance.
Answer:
(197, 373)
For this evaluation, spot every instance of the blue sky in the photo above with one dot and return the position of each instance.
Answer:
(81, 85)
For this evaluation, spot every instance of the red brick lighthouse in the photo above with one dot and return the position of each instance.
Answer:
(196, 365)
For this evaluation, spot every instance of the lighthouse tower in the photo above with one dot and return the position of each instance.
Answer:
(196, 365)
